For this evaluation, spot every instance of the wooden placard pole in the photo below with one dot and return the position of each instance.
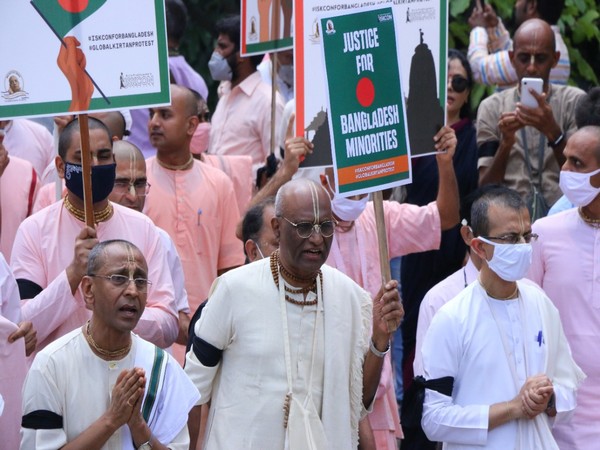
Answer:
(274, 35)
(384, 259)
(274, 62)
(86, 170)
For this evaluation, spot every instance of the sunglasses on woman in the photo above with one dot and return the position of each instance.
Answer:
(459, 83)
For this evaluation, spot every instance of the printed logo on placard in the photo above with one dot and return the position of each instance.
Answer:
(14, 87)
(135, 80)
(330, 29)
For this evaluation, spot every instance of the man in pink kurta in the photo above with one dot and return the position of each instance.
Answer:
(18, 188)
(46, 265)
(193, 202)
(354, 251)
(44, 247)
(566, 264)
(409, 229)
(29, 141)
(241, 123)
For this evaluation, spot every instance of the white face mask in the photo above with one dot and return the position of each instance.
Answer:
(346, 209)
(286, 73)
(219, 68)
(510, 261)
(577, 187)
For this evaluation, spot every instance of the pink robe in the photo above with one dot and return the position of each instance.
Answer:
(198, 209)
(566, 264)
(44, 248)
(410, 229)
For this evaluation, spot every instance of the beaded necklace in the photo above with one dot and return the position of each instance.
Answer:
(79, 214)
(592, 222)
(276, 266)
(185, 166)
(108, 354)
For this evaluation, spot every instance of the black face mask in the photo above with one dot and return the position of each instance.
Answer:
(459, 84)
(103, 180)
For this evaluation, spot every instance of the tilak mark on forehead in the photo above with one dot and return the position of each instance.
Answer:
(315, 201)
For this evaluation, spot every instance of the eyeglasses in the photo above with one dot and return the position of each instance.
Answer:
(137, 187)
(459, 83)
(514, 238)
(141, 284)
(305, 229)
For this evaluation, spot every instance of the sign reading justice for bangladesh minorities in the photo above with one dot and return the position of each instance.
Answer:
(367, 116)
(79, 56)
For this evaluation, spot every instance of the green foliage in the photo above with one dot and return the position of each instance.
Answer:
(579, 27)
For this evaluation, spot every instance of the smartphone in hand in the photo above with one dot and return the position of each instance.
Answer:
(527, 99)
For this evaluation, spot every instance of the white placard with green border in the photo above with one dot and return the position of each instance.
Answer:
(421, 34)
(78, 56)
(366, 107)
(266, 26)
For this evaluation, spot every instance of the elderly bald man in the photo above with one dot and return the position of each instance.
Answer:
(334, 339)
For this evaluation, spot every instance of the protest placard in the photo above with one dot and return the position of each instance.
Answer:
(266, 26)
(365, 101)
(82, 55)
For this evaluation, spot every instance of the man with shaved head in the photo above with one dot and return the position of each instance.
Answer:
(101, 386)
(490, 42)
(566, 262)
(521, 146)
(193, 202)
(289, 350)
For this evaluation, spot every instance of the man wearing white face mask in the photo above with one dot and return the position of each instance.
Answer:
(566, 263)
(241, 123)
(410, 229)
(502, 344)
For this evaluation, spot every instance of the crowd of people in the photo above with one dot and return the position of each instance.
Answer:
(226, 298)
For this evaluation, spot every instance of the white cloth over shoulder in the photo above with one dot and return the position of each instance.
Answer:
(248, 386)
(464, 342)
(67, 381)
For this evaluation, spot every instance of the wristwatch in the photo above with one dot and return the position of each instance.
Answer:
(146, 445)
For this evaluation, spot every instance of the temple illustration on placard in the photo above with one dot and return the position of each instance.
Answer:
(319, 130)
(424, 114)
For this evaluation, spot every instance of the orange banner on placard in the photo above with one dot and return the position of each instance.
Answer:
(372, 170)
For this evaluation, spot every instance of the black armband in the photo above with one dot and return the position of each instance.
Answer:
(28, 289)
(207, 354)
(42, 419)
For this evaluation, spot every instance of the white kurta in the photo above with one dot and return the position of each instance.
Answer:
(68, 379)
(247, 388)
(465, 342)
